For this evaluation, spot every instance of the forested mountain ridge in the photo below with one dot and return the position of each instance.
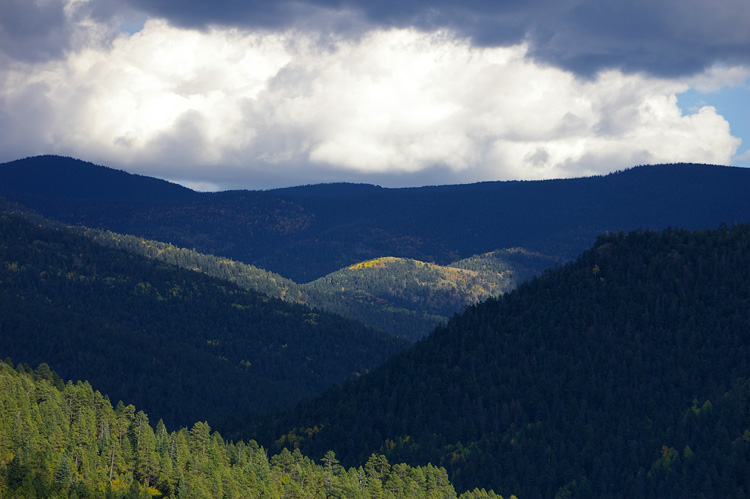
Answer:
(304, 233)
(65, 440)
(62, 177)
(402, 296)
(165, 337)
(623, 374)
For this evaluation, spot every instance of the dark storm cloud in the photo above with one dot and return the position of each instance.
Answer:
(664, 37)
(39, 30)
(32, 31)
(241, 13)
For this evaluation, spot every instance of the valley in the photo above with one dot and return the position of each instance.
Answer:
(568, 338)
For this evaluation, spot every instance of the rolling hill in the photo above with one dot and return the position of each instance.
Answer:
(402, 296)
(625, 373)
(307, 232)
(410, 297)
(182, 345)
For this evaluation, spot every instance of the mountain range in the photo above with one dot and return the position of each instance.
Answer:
(625, 373)
(405, 297)
(619, 371)
(165, 337)
(304, 233)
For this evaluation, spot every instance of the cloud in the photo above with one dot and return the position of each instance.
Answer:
(719, 77)
(41, 30)
(668, 37)
(249, 108)
(32, 29)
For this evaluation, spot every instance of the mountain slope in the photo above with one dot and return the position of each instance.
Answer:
(164, 337)
(405, 297)
(404, 282)
(411, 297)
(307, 232)
(246, 276)
(65, 440)
(623, 374)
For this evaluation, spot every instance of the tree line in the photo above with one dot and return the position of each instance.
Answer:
(623, 374)
(66, 440)
(164, 337)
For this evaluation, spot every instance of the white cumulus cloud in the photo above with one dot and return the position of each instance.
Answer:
(234, 108)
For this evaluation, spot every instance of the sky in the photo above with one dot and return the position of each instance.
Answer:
(256, 94)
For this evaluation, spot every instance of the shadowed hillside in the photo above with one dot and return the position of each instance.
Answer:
(183, 345)
(623, 374)
(304, 233)
(402, 296)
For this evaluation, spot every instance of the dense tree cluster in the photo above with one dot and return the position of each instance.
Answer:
(246, 276)
(65, 440)
(307, 232)
(393, 293)
(623, 374)
(166, 338)
(405, 297)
